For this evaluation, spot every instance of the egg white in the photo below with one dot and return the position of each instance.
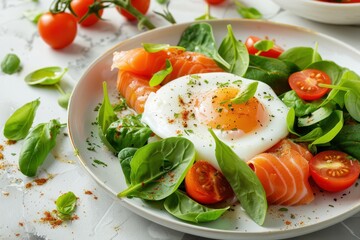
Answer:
(163, 109)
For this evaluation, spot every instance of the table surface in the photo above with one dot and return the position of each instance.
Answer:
(100, 215)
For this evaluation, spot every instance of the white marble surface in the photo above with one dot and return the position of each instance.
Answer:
(100, 215)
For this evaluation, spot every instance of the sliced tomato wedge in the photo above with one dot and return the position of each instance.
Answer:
(305, 83)
(274, 52)
(334, 171)
(206, 185)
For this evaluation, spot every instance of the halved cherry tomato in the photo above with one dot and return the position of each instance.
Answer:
(141, 5)
(207, 185)
(333, 170)
(57, 30)
(80, 7)
(274, 52)
(305, 83)
(214, 2)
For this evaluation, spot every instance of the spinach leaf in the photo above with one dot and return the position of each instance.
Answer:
(271, 71)
(302, 108)
(37, 145)
(19, 123)
(106, 116)
(158, 168)
(128, 131)
(315, 117)
(10, 64)
(125, 156)
(235, 53)
(301, 56)
(199, 37)
(348, 140)
(290, 121)
(242, 179)
(65, 205)
(159, 76)
(181, 206)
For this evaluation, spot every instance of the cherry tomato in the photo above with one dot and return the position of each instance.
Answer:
(274, 52)
(141, 5)
(305, 83)
(80, 7)
(206, 185)
(333, 170)
(57, 30)
(214, 2)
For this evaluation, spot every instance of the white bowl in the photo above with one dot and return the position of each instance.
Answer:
(325, 12)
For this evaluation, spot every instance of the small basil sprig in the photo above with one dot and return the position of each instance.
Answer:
(10, 64)
(50, 76)
(247, 187)
(158, 168)
(37, 145)
(246, 94)
(247, 12)
(65, 205)
(157, 47)
(235, 53)
(181, 206)
(19, 123)
(166, 13)
(160, 76)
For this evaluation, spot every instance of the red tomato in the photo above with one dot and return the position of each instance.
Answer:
(333, 170)
(214, 2)
(305, 83)
(274, 52)
(340, 1)
(80, 7)
(57, 30)
(206, 185)
(141, 5)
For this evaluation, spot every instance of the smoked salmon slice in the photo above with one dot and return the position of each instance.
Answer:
(284, 173)
(137, 66)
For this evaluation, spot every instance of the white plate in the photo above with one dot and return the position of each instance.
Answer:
(326, 210)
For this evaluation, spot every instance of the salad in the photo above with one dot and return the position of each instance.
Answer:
(314, 98)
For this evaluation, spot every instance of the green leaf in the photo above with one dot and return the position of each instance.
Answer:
(315, 117)
(45, 76)
(125, 156)
(10, 64)
(302, 108)
(247, 187)
(235, 53)
(246, 94)
(301, 56)
(157, 47)
(181, 206)
(63, 100)
(199, 37)
(37, 145)
(127, 131)
(158, 168)
(333, 70)
(264, 45)
(159, 76)
(247, 12)
(19, 123)
(66, 204)
(290, 121)
(348, 140)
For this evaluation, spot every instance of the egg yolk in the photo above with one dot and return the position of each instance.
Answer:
(215, 109)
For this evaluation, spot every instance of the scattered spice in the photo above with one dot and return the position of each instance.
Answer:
(28, 185)
(21, 224)
(41, 181)
(50, 217)
(10, 142)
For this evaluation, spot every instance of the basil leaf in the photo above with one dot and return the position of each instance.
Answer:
(128, 131)
(159, 76)
(125, 156)
(10, 64)
(19, 123)
(264, 45)
(66, 204)
(106, 116)
(247, 12)
(242, 179)
(348, 140)
(181, 206)
(235, 53)
(45, 76)
(271, 71)
(199, 37)
(158, 168)
(246, 94)
(301, 56)
(37, 145)
(157, 47)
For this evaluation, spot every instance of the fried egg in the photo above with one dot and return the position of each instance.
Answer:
(190, 105)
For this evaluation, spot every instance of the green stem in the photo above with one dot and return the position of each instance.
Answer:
(58, 87)
(324, 85)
